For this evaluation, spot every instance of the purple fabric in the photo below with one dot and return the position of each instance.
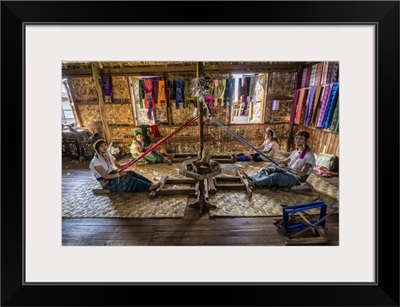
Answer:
(331, 105)
(246, 100)
(209, 97)
(324, 103)
(309, 106)
(107, 89)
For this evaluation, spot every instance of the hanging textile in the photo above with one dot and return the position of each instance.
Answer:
(243, 86)
(294, 106)
(331, 105)
(141, 93)
(305, 78)
(319, 91)
(107, 89)
(300, 104)
(179, 93)
(252, 87)
(162, 98)
(299, 79)
(229, 91)
(187, 93)
(309, 105)
(148, 97)
(313, 74)
(219, 89)
(155, 91)
(324, 103)
(318, 77)
(325, 66)
(246, 101)
(332, 72)
(210, 99)
(171, 89)
(335, 120)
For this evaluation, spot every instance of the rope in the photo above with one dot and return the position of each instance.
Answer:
(125, 166)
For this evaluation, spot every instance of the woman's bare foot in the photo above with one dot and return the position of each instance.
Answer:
(250, 181)
(155, 186)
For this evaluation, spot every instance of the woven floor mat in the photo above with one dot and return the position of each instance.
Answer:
(265, 202)
(83, 203)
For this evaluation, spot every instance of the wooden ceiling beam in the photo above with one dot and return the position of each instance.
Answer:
(184, 69)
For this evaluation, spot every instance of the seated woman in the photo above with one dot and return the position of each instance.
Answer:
(269, 146)
(107, 171)
(137, 147)
(290, 171)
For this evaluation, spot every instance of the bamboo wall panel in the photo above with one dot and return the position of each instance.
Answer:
(281, 84)
(181, 115)
(280, 115)
(118, 114)
(83, 90)
(89, 114)
(121, 89)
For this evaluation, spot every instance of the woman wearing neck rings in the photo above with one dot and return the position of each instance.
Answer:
(269, 146)
(107, 171)
(291, 170)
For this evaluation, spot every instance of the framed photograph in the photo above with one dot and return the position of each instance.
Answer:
(37, 270)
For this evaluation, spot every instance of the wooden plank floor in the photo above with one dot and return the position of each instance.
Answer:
(190, 230)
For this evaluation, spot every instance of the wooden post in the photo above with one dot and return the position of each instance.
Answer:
(133, 100)
(201, 112)
(96, 75)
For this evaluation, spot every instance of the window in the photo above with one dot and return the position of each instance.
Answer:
(249, 98)
(67, 115)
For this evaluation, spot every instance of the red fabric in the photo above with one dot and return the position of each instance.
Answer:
(324, 172)
(154, 130)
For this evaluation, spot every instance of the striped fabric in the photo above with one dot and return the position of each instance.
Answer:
(130, 183)
(294, 106)
(309, 105)
(331, 105)
(324, 104)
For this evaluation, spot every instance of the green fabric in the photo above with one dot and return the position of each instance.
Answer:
(151, 157)
(335, 120)
(141, 93)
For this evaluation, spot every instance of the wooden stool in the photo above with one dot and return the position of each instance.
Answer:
(297, 221)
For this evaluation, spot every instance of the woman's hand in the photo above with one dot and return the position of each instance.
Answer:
(281, 165)
(122, 173)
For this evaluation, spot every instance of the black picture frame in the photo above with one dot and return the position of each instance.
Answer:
(15, 292)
